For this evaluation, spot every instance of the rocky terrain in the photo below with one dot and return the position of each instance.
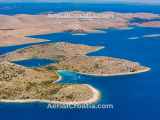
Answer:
(74, 93)
(100, 66)
(61, 50)
(20, 83)
(73, 57)
(14, 29)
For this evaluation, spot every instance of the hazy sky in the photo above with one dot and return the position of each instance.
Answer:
(92, 1)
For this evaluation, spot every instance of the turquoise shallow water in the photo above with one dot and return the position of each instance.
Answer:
(134, 97)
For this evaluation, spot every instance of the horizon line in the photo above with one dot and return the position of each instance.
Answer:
(108, 2)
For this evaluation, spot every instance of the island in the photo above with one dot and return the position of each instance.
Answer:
(154, 24)
(73, 57)
(14, 30)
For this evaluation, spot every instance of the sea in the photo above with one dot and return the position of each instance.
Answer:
(134, 97)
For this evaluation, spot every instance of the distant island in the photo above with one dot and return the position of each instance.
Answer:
(15, 29)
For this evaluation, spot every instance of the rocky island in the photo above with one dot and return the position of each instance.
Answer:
(73, 57)
(15, 29)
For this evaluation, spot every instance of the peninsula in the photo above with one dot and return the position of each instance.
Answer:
(21, 84)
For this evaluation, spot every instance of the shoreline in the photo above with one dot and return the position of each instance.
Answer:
(59, 78)
(111, 75)
(94, 99)
(35, 41)
(96, 93)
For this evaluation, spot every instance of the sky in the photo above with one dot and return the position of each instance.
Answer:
(85, 1)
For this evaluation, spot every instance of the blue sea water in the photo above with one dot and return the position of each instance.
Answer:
(135, 97)
(37, 8)
(34, 62)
